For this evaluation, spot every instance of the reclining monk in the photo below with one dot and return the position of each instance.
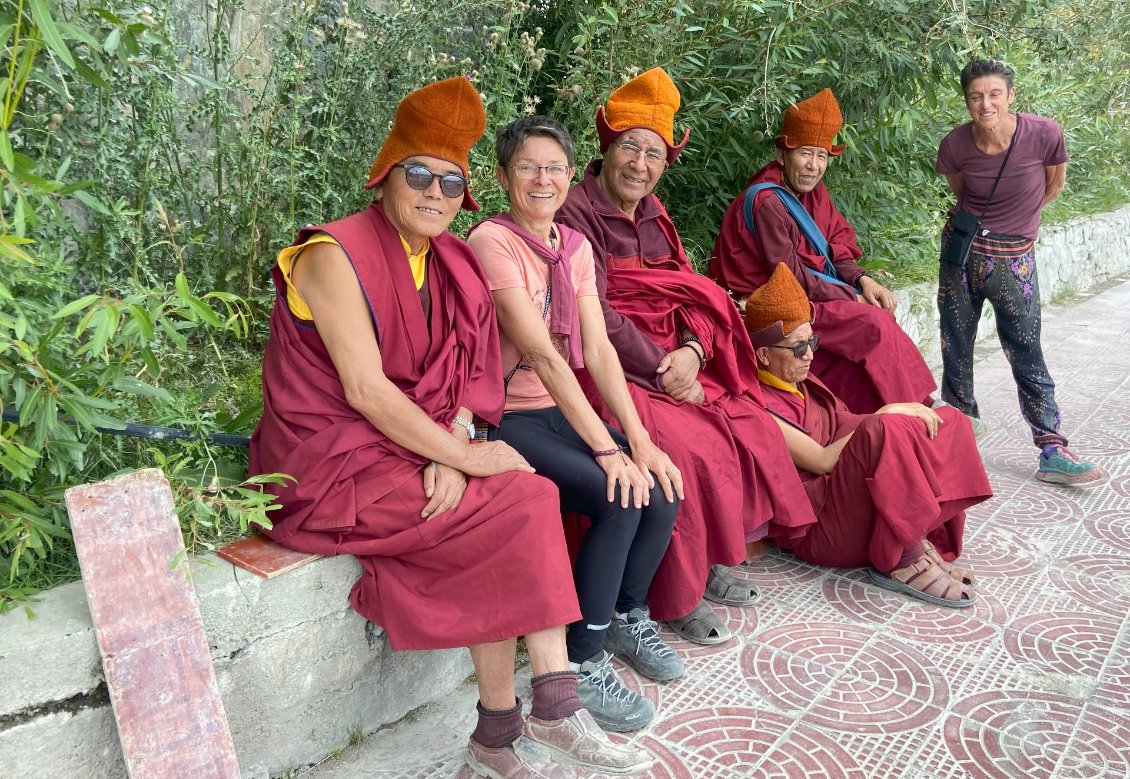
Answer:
(383, 347)
(786, 216)
(890, 488)
(689, 365)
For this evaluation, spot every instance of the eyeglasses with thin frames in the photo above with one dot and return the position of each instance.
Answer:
(529, 171)
(650, 156)
(801, 349)
(420, 177)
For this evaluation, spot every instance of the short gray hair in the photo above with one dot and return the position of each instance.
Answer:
(509, 139)
(980, 68)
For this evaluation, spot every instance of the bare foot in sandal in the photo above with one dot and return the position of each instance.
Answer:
(965, 576)
(925, 580)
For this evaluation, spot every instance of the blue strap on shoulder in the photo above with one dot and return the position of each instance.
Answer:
(804, 222)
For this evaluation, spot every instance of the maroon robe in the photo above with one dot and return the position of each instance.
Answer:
(864, 357)
(451, 580)
(892, 486)
(648, 290)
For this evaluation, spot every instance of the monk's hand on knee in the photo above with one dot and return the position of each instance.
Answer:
(876, 294)
(928, 416)
(444, 486)
(493, 457)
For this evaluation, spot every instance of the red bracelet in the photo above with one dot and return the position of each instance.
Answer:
(607, 452)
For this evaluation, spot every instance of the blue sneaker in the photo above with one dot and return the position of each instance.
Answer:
(1063, 467)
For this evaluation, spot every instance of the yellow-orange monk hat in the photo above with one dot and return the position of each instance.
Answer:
(443, 120)
(650, 101)
(813, 122)
(777, 308)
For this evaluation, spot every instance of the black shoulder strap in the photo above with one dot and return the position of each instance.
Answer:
(997, 180)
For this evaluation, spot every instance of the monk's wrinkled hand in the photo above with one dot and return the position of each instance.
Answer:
(928, 416)
(695, 395)
(494, 457)
(625, 474)
(444, 486)
(655, 463)
(876, 294)
(678, 372)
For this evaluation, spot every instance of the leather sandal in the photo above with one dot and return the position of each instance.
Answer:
(701, 626)
(725, 589)
(925, 580)
(966, 577)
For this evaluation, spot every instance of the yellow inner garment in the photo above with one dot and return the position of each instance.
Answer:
(294, 299)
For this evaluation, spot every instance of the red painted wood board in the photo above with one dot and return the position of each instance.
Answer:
(264, 557)
(170, 718)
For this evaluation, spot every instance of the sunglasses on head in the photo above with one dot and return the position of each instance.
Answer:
(421, 177)
(801, 349)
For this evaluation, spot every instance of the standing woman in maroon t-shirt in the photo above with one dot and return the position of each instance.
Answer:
(1001, 267)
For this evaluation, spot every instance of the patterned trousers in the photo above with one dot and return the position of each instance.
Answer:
(1002, 270)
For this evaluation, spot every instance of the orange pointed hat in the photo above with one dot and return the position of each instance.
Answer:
(813, 122)
(650, 101)
(443, 120)
(777, 308)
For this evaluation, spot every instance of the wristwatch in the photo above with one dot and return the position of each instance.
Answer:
(467, 425)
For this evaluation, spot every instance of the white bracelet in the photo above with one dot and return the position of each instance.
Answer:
(467, 425)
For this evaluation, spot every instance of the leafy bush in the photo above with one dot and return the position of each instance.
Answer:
(154, 161)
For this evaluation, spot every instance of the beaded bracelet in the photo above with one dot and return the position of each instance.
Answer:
(607, 452)
(701, 355)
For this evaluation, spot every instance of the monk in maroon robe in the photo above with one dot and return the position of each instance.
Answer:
(383, 349)
(889, 489)
(866, 358)
(689, 364)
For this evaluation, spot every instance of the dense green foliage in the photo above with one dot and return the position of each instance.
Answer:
(154, 160)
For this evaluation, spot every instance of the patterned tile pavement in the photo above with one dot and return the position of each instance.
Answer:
(830, 677)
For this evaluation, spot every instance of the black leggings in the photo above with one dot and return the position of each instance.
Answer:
(621, 550)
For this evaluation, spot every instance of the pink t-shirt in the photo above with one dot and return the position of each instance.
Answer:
(1015, 209)
(508, 264)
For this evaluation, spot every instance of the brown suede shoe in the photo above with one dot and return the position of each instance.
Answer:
(520, 760)
(577, 739)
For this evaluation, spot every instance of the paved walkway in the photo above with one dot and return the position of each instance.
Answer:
(830, 677)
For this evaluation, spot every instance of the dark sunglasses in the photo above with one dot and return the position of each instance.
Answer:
(420, 177)
(801, 349)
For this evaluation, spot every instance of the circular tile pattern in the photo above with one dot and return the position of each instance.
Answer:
(1005, 734)
(1065, 641)
(1000, 550)
(1099, 443)
(845, 678)
(1114, 685)
(912, 619)
(1100, 582)
(1038, 507)
(1111, 527)
(1121, 485)
(778, 569)
(732, 742)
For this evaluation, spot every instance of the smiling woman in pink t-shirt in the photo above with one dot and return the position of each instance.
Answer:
(550, 323)
(1026, 152)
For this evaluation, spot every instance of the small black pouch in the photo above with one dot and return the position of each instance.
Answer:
(964, 227)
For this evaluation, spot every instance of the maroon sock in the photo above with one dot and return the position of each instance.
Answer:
(909, 557)
(497, 729)
(555, 695)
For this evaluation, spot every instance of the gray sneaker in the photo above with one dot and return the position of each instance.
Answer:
(636, 639)
(612, 705)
